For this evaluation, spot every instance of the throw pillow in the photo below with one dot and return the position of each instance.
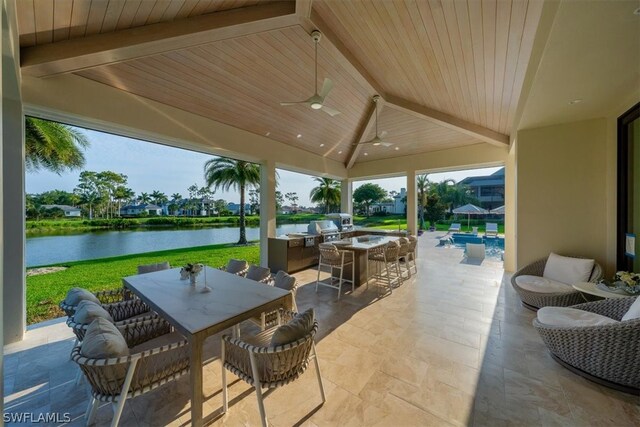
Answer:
(633, 312)
(75, 295)
(297, 328)
(567, 269)
(88, 311)
(103, 341)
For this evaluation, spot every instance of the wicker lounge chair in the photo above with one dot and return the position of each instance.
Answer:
(535, 300)
(261, 365)
(117, 379)
(607, 354)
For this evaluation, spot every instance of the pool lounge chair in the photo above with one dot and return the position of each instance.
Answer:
(455, 227)
(491, 229)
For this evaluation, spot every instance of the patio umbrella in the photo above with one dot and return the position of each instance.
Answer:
(498, 210)
(469, 210)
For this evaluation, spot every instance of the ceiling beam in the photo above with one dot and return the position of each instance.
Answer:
(102, 49)
(303, 8)
(365, 128)
(448, 121)
(344, 56)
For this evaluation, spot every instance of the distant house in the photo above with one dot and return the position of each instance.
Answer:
(397, 205)
(488, 189)
(69, 211)
(134, 210)
(235, 208)
(191, 207)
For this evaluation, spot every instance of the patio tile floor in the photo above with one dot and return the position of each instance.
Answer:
(450, 347)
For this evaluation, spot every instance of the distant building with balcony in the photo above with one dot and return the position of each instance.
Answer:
(397, 204)
(488, 189)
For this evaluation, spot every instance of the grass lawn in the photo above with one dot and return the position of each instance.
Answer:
(45, 291)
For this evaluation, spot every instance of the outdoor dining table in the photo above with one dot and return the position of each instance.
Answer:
(361, 246)
(198, 314)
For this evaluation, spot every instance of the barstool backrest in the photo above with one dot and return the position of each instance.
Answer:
(391, 251)
(329, 254)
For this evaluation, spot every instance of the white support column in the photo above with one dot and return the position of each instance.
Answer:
(12, 197)
(412, 203)
(267, 208)
(510, 218)
(346, 196)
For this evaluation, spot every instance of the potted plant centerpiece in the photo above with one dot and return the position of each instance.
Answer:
(627, 281)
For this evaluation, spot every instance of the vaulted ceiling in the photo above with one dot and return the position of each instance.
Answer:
(450, 73)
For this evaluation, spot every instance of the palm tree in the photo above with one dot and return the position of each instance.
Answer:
(53, 146)
(158, 197)
(327, 193)
(237, 174)
(144, 198)
(422, 184)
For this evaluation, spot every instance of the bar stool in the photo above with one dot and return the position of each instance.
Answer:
(382, 257)
(413, 251)
(335, 259)
(403, 253)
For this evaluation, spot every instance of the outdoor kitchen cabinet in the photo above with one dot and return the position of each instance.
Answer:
(291, 254)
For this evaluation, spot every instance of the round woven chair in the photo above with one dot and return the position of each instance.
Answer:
(255, 361)
(117, 379)
(110, 301)
(536, 300)
(606, 354)
(238, 267)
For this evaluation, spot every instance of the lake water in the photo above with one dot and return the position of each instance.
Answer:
(51, 249)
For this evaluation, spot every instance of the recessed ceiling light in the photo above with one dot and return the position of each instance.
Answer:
(637, 11)
(340, 152)
(575, 101)
(321, 145)
(366, 154)
(397, 148)
(299, 136)
(268, 133)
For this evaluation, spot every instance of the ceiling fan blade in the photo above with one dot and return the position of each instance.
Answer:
(286, 104)
(326, 88)
(383, 134)
(330, 111)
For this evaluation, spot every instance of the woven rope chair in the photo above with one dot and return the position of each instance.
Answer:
(383, 257)
(107, 299)
(80, 329)
(259, 364)
(150, 268)
(403, 254)
(536, 300)
(284, 281)
(259, 274)
(413, 252)
(607, 354)
(335, 259)
(117, 379)
(236, 266)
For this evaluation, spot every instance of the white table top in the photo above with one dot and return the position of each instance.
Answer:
(591, 289)
(231, 300)
(365, 242)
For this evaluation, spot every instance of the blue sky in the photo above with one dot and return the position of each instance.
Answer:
(171, 170)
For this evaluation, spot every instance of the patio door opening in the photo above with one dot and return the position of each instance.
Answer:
(628, 258)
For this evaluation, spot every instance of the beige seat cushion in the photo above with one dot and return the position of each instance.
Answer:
(572, 317)
(88, 311)
(297, 328)
(633, 312)
(284, 281)
(75, 295)
(568, 270)
(103, 341)
(542, 285)
(236, 266)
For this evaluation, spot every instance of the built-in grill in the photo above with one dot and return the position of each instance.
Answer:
(343, 221)
(327, 229)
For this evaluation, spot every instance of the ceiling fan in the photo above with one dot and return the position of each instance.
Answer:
(316, 102)
(378, 139)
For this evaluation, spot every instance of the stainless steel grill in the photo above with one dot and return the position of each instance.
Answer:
(343, 221)
(327, 229)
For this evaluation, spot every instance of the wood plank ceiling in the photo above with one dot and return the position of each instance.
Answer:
(463, 58)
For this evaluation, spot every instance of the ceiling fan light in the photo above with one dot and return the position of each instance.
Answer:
(316, 105)
(376, 143)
